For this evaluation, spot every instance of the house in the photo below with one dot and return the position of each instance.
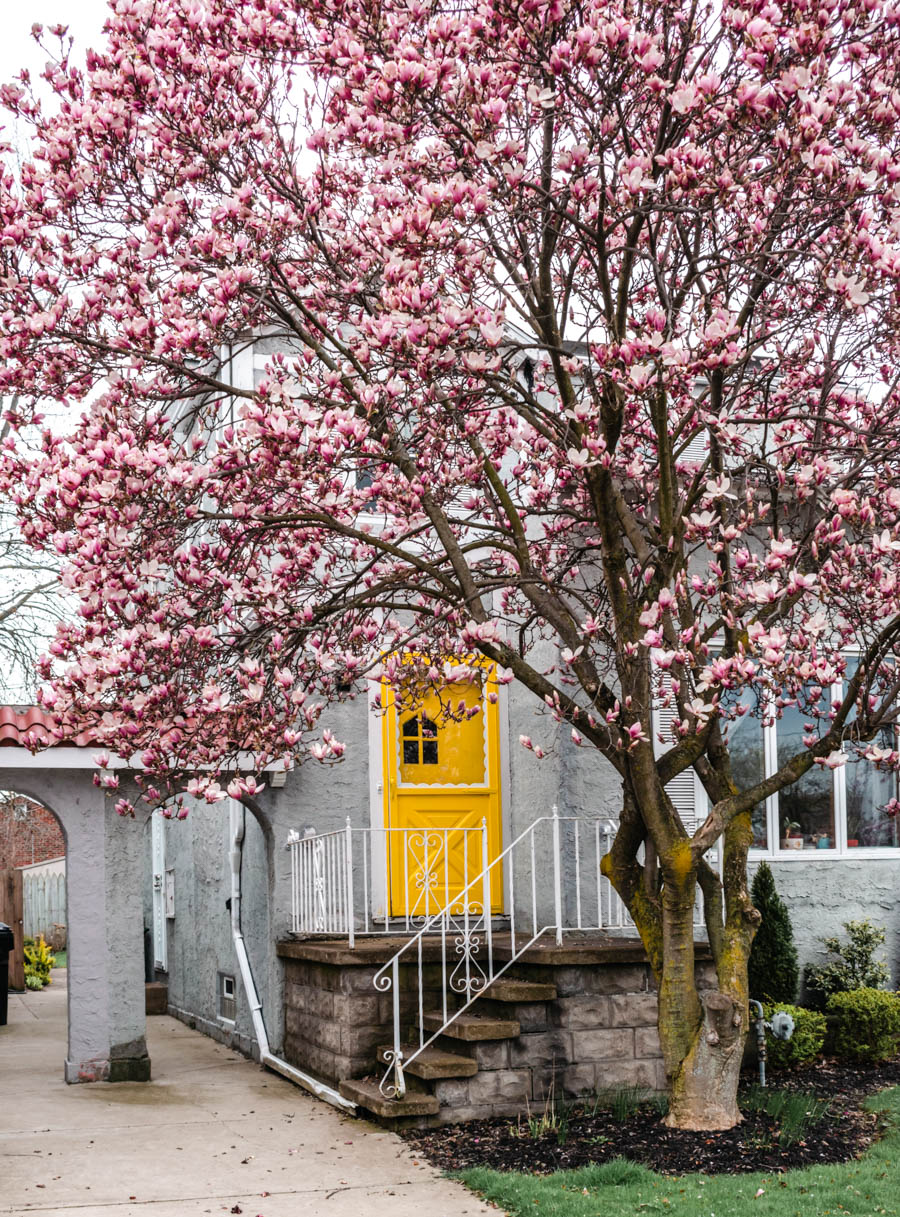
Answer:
(355, 907)
(363, 887)
(29, 834)
(343, 866)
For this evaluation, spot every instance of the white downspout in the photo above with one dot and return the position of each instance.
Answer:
(319, 1089)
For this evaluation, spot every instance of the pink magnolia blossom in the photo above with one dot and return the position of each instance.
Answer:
(581, 342)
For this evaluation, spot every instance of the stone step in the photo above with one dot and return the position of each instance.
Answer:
(519, 991)
(473, 1027)
(433, 1063)
(156, 997)
(365, 1093)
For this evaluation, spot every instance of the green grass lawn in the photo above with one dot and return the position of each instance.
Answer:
(616, 1189)
(60, 957)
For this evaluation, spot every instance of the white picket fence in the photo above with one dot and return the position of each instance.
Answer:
(44, 903)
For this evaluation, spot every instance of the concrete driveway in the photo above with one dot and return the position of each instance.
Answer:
(212, 1133)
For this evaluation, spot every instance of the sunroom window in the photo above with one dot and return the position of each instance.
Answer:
(805, 809)
(744, 734)
(828, 810)
(867, 789)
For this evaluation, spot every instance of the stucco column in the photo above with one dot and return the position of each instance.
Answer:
(105, 924)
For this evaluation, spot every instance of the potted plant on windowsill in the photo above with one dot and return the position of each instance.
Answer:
(793, 837)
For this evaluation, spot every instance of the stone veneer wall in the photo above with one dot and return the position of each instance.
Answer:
(599, 1033)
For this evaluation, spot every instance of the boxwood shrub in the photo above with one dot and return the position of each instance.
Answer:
(866, 1025)
(806, 1042)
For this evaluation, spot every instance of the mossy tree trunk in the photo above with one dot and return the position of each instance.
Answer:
(702, 1030)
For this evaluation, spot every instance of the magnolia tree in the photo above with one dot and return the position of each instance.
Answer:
(30, 603)
(583, 327)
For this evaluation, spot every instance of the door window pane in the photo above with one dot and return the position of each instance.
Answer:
(420, 741)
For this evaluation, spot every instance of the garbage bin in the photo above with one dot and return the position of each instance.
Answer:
(6, 945)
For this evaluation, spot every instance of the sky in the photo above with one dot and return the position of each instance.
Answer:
(18, 49)
(84, 18)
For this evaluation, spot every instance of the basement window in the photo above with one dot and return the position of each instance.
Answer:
(226, 998)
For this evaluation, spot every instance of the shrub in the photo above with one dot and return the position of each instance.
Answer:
(773, 967)
(867, 1024)
(854, 968)
(32, 981)
(806, 1042)
(38, 961)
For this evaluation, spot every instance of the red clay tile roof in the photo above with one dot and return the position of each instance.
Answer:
(30, 726)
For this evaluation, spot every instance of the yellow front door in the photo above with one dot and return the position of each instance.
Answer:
(442, 782)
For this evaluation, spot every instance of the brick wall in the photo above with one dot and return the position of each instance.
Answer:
(35, 838)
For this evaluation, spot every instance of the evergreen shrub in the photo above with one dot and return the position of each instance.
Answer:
(773, 968)
(866, 1025)
(854, 965)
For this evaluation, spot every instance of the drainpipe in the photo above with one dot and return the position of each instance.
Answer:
(266, 1058)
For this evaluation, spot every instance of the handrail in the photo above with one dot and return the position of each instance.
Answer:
(468, 921)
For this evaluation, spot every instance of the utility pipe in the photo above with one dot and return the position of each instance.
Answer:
(760, 1021)
(266, 1057)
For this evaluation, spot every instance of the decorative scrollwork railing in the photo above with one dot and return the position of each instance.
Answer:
(460, 936)
(357, 881)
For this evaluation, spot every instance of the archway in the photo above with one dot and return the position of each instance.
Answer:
(105, 975)
(32, 882)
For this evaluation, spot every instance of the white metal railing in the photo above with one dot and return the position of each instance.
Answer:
(529, 873)
(358, 881)
(440, 889)
(379, 880)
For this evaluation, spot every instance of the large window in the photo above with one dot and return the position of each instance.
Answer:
(866, 790)
(828, 811)
(744, 734)
(806, 809)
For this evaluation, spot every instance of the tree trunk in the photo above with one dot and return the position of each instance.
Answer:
(701, 1032)
(703, 1089)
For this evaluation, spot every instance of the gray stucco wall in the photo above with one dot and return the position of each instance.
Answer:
(200, 943)
(820, 894)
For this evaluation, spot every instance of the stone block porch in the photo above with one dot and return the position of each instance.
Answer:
(566, 1021)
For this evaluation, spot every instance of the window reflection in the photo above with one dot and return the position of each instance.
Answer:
(868, 789)
(748, 763)
(805, 809)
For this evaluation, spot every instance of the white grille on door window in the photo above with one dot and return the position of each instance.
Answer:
(227, 1003)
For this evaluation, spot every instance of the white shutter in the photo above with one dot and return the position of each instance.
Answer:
(683, 789)
(696, 451)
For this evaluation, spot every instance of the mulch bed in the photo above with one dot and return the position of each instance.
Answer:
(597, 1136)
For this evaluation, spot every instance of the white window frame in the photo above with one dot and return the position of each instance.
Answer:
(224, 981)
(840, 849)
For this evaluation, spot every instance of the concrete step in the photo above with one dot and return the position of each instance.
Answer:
(433, 1063)
(519, 991)
(365, 1093)
(473, 1027)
